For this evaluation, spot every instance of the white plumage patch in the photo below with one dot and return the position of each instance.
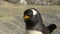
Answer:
(33, 32)
(34, 11)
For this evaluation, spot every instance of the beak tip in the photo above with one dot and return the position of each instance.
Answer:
(26, 17)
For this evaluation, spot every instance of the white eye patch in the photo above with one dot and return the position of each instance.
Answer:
(34, 11)
(33, 32)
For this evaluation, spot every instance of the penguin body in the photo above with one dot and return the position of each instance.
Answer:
(33, 32)
(34, 22)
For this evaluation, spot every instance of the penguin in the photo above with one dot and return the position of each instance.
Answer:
(34, 23)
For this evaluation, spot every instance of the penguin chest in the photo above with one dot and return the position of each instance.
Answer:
(33, 32)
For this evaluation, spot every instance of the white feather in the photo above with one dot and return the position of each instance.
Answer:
(33, 32)
(34, 11)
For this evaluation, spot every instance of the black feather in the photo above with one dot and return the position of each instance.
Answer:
(52, 27)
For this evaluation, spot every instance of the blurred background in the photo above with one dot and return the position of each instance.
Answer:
(39, 2)
(11, 14)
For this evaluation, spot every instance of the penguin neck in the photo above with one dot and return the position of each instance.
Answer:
(34, 26)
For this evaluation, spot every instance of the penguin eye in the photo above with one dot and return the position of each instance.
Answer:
(30, 13)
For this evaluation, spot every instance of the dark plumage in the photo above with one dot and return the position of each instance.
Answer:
(51, 27)
(33, 20)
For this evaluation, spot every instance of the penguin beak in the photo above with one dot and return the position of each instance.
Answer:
(26, 17)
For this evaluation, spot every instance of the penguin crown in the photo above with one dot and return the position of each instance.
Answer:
(31, 11)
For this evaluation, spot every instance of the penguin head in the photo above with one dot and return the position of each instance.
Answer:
(32, 15)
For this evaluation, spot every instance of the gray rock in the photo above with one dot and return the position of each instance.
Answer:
(11, 25)
(13, 1)
(17, 1)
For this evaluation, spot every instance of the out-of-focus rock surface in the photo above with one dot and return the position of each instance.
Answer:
(11, 25)
(10, 22)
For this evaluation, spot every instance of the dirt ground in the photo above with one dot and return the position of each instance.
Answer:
(11, 17)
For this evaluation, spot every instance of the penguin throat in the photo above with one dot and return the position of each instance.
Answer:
(34, 26)
(30, 25)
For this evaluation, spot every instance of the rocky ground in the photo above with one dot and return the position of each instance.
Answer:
(11, 17)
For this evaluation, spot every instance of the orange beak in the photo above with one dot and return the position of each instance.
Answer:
(26, 17)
